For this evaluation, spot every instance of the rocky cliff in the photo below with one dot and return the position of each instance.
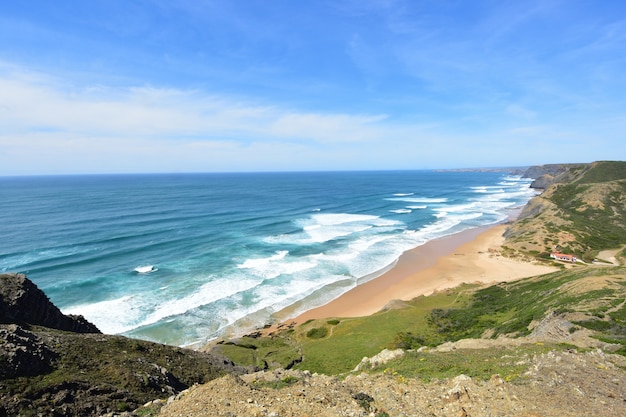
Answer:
(57, 365)
(22, 302)
(582, 211)
(556, 384)
(546, 175)
(47, 368)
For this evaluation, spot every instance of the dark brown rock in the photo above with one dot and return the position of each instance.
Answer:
(22, 302)
(57, 365)
(22, 353)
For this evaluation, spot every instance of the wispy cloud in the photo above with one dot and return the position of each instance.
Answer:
(53, 127)
(203, 86)
(44, 119)
(32, 103)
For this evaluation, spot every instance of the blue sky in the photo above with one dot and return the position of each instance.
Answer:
(117, 86)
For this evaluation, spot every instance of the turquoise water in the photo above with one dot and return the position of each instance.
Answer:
(216, 250)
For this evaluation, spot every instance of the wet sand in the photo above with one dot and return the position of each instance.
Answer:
(467, 257)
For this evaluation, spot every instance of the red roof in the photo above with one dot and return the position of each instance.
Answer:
(562, 255)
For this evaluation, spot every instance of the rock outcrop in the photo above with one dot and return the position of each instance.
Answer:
(22, 302)
(554, 384)
(546, 175)
(57, 365)
(380, 359)
(23, 354)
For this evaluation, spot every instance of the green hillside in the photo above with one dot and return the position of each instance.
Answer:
(475, 330)
(584, 216)
(594, 296)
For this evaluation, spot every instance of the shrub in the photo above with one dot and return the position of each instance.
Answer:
(317, 333)
(407, 340)
(364, 400)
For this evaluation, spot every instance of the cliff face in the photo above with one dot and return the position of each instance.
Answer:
(539, 170)
(22, 302)
(582, 210)
(58, 365)
(546, 175)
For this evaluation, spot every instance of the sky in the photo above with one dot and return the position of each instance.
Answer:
(143, 86)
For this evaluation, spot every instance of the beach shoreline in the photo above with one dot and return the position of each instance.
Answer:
(471, 256)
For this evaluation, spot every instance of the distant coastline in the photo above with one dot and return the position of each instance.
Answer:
(230, 250)
(470, 256)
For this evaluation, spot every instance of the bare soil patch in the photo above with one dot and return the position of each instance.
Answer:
(556, 384)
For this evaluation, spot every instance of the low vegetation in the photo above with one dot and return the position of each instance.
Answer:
(597, 294)
(583, 216)
(582, 213)
(93, 374)
(504, 309)
(481, 364)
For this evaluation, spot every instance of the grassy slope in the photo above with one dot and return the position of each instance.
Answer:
(464, 312)
(346, 342)
(580, 211)
(583, 216)
(103, 372)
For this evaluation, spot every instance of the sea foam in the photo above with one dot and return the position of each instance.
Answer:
(231, 250)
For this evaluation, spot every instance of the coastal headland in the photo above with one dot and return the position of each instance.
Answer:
(471, 256)
(552, 344)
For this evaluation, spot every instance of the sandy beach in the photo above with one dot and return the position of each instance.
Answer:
(470, 256)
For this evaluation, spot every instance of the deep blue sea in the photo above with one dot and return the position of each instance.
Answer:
(180, 258)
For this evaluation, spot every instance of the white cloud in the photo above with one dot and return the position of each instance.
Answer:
(148, 111)
(128, 112)
(328, 128)
(50, 128)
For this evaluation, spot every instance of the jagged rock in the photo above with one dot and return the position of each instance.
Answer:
(22, 302)
(381, 358)
(552, 327)
(22, 353)
(92, 374)
(460, 389)
(274, 375)
(546, 175)
(558, 383)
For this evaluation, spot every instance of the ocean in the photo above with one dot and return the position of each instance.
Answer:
(182, 258)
